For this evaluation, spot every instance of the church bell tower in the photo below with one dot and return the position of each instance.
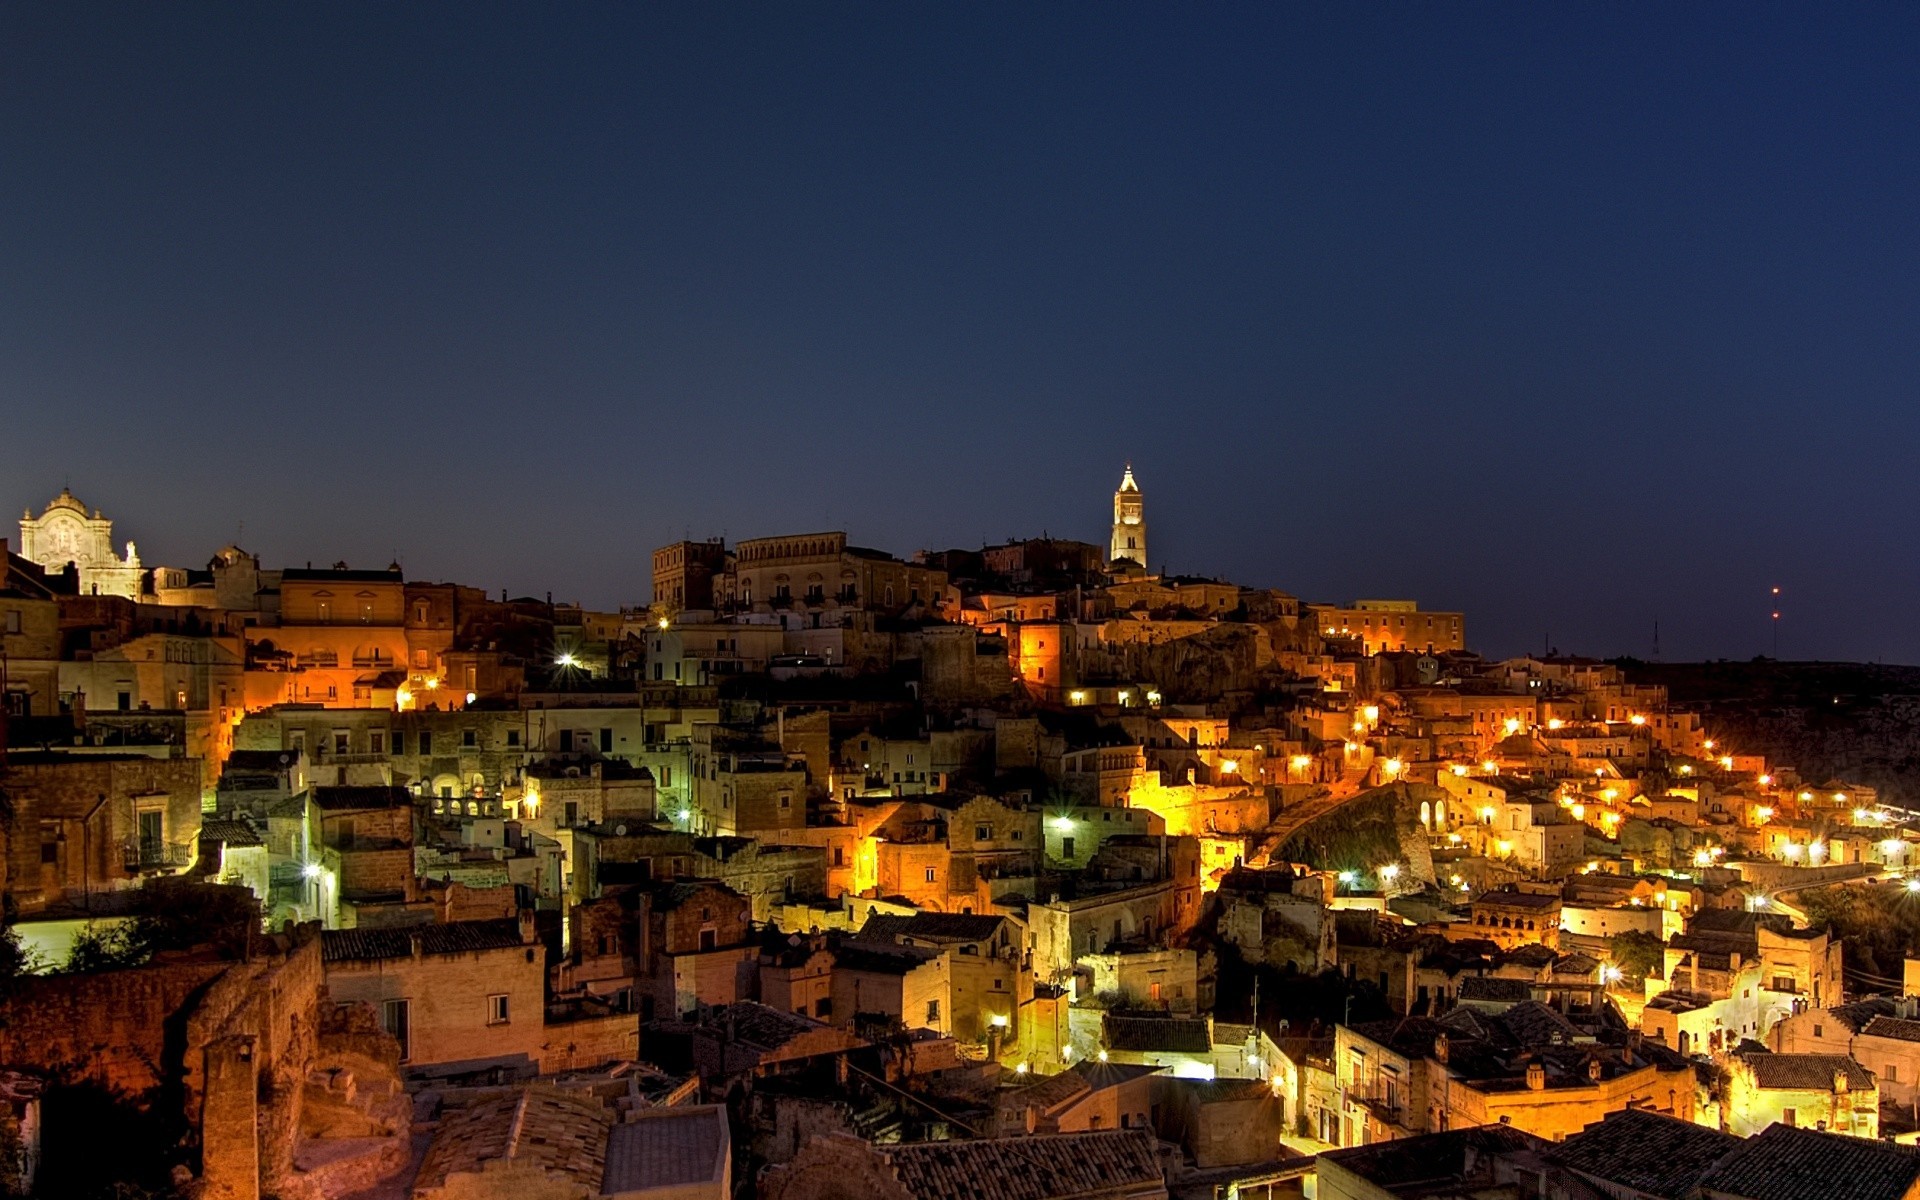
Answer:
(1129, 522)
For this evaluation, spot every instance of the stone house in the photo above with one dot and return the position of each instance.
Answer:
(696, 946)
(459, 997)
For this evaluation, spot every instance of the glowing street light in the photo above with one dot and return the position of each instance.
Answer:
(1390, 872)
(1393, 767)
(1348, 876)
(1371, 712)
(566, 660)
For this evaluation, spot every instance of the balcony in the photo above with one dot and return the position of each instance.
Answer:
(325, 658)
(144, 855)
(384, 662)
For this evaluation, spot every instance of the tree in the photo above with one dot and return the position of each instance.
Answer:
(1639, 955)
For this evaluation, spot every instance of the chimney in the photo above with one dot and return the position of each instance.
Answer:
(1440, 1047)
(1593, 1069)
(526, 926)
(1839, 1083)
(1536, 1076)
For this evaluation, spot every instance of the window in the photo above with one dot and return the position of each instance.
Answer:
(469, 738)
(376, 741)
(1892, 1073)
(497, 1010)
(513, 737)
(152, 830)
(786, 800)
(606, 741)
(1789, 1117)
(1816, 1029)
(1066, 847)
(340, 737)
(13, 621)
(395, 1019)
(932, 875)
(426, 742)
(982, 833)
(839, 856)
(709, 939)
(933, 1013)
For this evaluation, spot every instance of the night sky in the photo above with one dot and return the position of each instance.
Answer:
(1577, 318)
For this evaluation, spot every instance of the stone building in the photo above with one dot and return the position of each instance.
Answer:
(683, 575)
(63, 533)
(461, 996)
(85, 824)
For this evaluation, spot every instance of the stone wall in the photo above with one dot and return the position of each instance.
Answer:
(120, 1030)
(589, 1042)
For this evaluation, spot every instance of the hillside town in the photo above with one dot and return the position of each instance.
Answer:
(1034, 871)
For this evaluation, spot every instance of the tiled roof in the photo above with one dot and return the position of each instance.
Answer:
(1806, 1072)
(231, 833)
(952, 927)
(1079, 1079)
(1533, 954)
(667, 1147)
(881, 959)
(883, 927)
(541, 1128)
(452, 937)
(1145, 1034)
(334, 799)
(756, 1024)
(1784, 1163)
(1494, 987)
(1856, 1016)
(1025, 1168)
(1644, 1151)
(1431, 1157)
(1409, 1037)
(1529, 900)
(1898, 1028)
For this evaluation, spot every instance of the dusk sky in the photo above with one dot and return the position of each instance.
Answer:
(1572, 317)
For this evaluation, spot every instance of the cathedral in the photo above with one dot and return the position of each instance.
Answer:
(1129, 522)
(63, 533)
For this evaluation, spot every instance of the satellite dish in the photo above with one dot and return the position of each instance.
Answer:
(620, 830)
